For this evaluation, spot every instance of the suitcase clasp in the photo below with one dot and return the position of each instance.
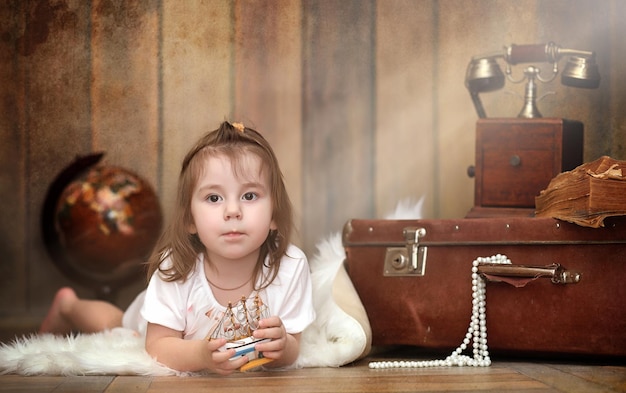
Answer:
(409, 260)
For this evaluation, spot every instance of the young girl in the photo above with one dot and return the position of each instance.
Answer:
(228, 240)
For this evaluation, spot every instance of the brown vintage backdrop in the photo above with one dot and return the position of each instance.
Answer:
(364, 101)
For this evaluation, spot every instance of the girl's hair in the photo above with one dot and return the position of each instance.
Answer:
(182, 247)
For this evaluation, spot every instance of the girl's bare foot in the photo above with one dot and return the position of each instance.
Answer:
(55, 322)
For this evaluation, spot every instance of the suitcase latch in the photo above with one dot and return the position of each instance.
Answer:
(409, 260)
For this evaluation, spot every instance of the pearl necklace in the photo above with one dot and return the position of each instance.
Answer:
(476, 333)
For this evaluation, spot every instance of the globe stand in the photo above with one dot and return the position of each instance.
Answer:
(99, 224)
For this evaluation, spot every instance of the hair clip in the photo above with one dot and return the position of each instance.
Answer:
(239, 127)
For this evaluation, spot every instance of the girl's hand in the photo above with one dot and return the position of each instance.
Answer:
(283, 348)
(219, 361)
(169, 348)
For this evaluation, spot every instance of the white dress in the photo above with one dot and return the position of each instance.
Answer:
(191, 308)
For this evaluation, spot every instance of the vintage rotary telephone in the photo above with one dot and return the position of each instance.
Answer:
(484, 73)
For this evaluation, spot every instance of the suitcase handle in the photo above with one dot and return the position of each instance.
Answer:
(498, 272)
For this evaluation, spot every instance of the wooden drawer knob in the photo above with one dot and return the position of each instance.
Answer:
(515, 160)
(471, 171)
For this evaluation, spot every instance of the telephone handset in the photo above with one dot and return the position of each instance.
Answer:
(484, 74)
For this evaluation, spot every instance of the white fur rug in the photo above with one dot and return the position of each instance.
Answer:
(116, 352)
(340, 334)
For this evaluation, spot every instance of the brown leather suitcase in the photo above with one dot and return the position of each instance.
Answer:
(564, 293)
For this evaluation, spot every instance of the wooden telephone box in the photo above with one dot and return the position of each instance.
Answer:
(517, 157)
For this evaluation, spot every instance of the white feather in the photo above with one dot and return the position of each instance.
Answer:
(334, 338)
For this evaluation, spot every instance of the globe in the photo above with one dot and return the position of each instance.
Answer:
(100, 223)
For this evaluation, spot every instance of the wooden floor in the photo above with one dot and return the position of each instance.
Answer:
(502, 376)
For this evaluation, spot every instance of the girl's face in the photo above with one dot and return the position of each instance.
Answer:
(232, 214)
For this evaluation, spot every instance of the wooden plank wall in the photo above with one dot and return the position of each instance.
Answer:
(363, 100)
(338, 113)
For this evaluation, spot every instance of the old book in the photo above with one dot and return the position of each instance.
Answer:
(586, 195)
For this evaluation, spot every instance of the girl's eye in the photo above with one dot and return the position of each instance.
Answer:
(249, 196)
(213, 198)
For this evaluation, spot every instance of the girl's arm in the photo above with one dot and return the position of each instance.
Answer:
(284, 347)
(170, 349)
